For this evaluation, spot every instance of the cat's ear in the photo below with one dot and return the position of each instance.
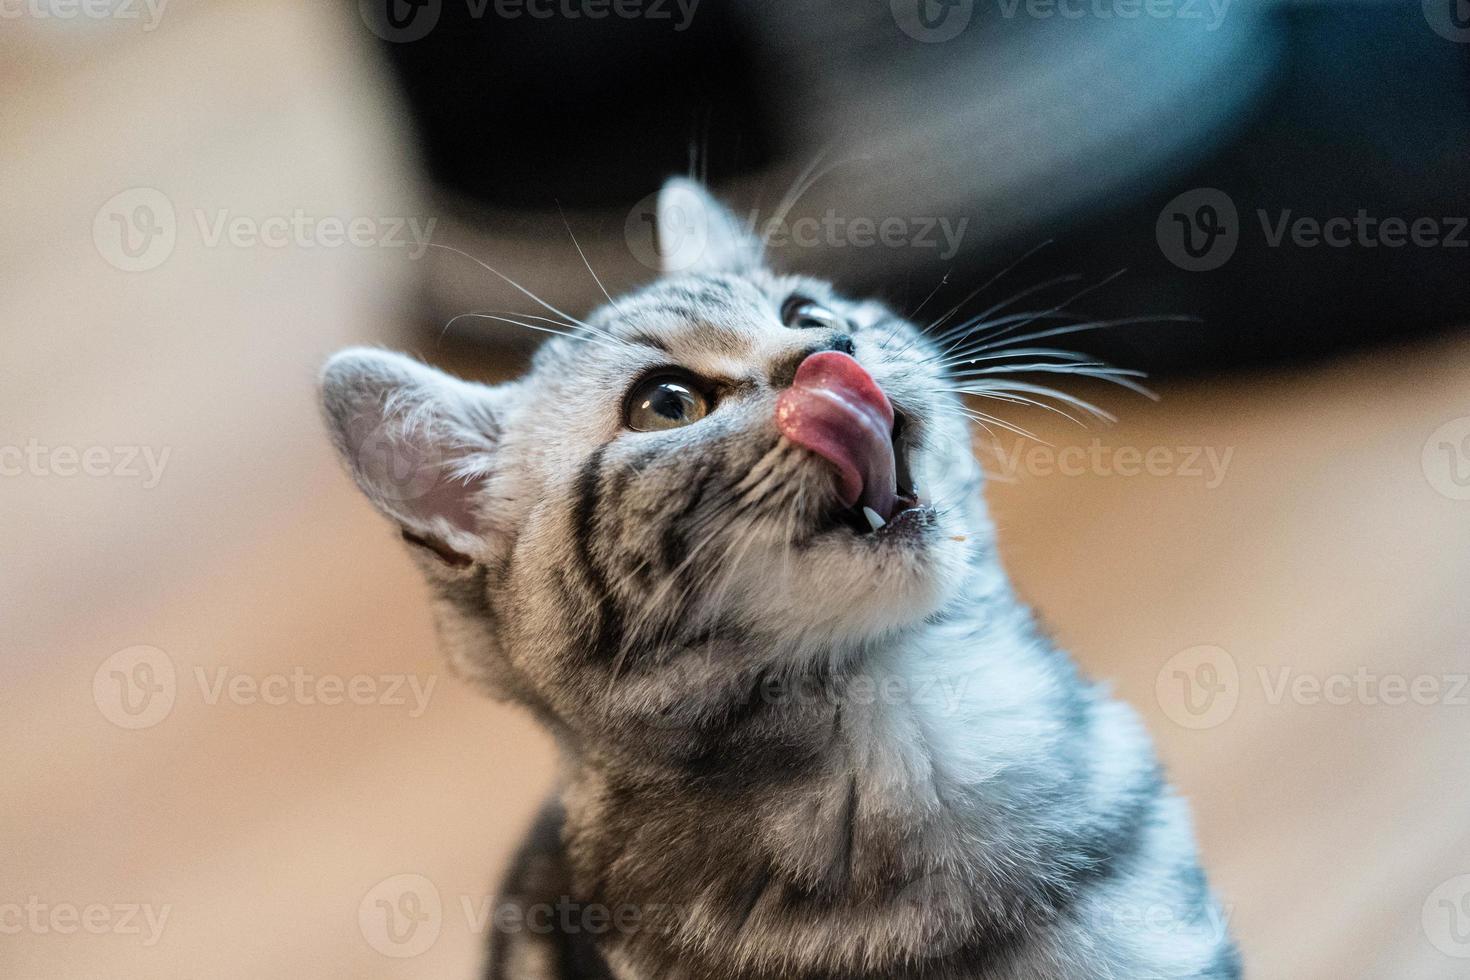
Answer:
(420, 443)
(696, 233)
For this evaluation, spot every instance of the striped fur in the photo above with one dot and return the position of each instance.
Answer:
(790, 752)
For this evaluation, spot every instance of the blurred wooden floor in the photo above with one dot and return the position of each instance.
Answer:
(262, 829)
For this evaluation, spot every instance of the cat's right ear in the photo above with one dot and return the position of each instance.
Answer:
(420, 444)
(696, 233)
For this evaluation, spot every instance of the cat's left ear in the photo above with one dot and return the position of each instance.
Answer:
(420, 444)
(696, 233)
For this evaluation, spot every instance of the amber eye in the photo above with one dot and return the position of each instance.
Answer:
(801, 313)
(665, 403)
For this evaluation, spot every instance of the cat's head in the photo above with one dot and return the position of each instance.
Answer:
(697, 467)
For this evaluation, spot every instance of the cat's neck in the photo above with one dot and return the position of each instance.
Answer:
(908, 767)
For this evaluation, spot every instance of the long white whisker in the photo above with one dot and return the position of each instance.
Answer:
(803, 183)
(1056, 352)
(583, 254)
(997, 307)
(1092, 325)
(1055, 309)
(527, 326)
(534, 298)
(1016, 399)
(983, 419)
(1041, 391)
(1096, 369)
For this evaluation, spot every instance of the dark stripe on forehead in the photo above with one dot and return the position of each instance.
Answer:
(607, 634)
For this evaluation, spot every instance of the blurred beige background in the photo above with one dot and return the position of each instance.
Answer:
(1327, 544)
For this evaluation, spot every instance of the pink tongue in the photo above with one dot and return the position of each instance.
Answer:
(836, 409)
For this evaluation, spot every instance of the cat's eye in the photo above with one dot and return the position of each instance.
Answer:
(801, 313)
(665, 403)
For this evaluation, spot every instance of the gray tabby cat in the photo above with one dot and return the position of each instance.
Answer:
(726, 541)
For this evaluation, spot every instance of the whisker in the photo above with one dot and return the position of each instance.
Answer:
(1041, 391)
(932, 293)
(1098, 369)
(996, 307)
(1056, 352)
(990, 282)
(578, 245)
(987, 420)
(536, 299)
(1057, 308)
(1017, 399)
(1091, 325)
(804, 182)
(978, 330)
(528, 326)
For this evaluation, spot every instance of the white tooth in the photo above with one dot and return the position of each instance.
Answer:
(873, 519)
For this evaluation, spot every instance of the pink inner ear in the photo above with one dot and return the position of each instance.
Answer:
(451, 500)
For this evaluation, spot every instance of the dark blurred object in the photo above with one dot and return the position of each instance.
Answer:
(1023, 126)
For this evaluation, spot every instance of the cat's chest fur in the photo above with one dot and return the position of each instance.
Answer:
(960, 804)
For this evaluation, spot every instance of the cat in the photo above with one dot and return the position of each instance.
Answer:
(726, 541)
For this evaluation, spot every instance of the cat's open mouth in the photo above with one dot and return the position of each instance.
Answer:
(837, 410)
(907, 511)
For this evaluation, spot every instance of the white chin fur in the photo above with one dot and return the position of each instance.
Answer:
(843, 589)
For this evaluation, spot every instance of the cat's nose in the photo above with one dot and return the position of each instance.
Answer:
(785, 372)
